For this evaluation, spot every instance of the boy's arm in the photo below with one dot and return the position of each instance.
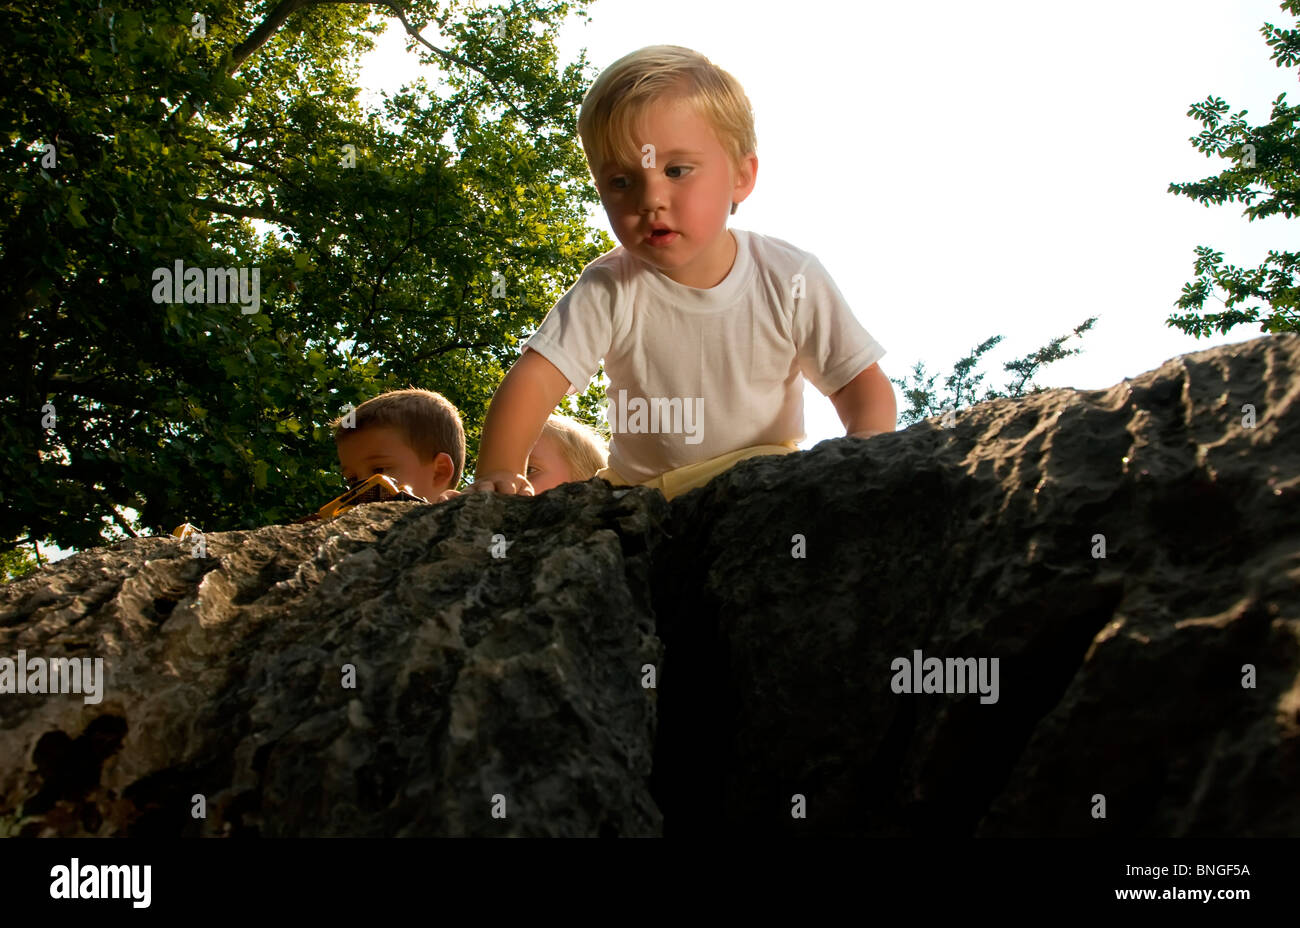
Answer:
(514, 422)
(866, 404)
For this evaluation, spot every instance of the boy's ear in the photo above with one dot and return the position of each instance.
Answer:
(444, 469)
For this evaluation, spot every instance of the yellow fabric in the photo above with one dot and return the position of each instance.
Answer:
(676, 482)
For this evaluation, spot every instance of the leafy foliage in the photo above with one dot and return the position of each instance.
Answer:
(15, 564)
(414, 245)
(961, 387)
(1265, 176)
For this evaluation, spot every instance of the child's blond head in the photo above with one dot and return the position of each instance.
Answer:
(580, 445)
(616, 101)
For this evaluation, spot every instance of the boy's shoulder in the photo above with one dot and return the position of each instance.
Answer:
(613, 267)
(779, 261)
(770, 250)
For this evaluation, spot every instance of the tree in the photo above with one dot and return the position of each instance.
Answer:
(1265, 175)
(15, 564)
(962, 385)
(412, 246)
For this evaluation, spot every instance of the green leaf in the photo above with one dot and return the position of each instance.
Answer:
(75, 202)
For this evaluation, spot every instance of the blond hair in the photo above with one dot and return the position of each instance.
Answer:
(627, 88)
(428, 421)
(580, 445)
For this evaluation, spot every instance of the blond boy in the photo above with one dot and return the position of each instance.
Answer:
(414, 436)
(568, 451)
(706, 333)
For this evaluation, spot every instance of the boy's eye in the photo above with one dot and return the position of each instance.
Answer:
(616, 182)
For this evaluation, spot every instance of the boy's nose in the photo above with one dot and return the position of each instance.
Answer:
(653, 196)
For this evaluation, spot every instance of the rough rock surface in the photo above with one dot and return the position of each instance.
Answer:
(475, 677)
(1121, 677)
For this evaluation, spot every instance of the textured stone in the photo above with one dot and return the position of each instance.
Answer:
(1119, 676)
(522, 676)
(476, 676)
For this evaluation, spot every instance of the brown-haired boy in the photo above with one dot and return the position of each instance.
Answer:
(414, 436)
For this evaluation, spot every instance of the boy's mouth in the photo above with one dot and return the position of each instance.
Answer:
(661, 236)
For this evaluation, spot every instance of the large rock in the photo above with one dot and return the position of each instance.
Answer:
(493, 695)
(1120, 676)
(1159, 681)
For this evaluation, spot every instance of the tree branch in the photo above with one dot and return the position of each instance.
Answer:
(429, 355)
(259, 36)
(242, 212)
(447, 56)
(110, 392)
(118, 517)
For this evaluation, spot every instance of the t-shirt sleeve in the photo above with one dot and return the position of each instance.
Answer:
(576, 333)
(833, 347)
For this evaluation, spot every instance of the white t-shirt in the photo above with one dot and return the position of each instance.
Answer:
(693, 373)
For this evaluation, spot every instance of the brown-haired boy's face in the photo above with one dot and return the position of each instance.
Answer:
(383, 450)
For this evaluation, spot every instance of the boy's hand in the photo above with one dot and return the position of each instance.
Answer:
(445, 495)
(514, 422)
(501, 481)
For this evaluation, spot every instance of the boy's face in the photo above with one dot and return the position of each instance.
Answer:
(690, 190)
(383, 450)
(546, 465)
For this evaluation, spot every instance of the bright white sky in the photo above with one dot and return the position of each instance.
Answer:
(970, 169)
